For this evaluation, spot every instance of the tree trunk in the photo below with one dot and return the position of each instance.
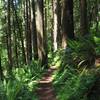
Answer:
(40, 33)
(57, 24)
(83, 17)
(1, 71)
(45, 34)
(20, 34)
(67, 22)
(96, 15)
(28, 33)
(9, 41)
(34, 32)
(15, 43)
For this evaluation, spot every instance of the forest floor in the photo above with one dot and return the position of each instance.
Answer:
(45, 90)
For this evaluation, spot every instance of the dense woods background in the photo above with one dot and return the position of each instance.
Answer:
(37, 34)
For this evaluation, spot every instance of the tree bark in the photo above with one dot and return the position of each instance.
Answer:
(41, 36)
(15, 43)
(1, 71)
(28, 33)
(83, 17)
(20, 33)
(57, 24)
(45, 34)
(34, 32)
(67, 22)
(9, 41)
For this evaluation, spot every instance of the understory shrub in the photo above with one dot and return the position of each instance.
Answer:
(21, 85)
(80, 53)
(77, 73)
(73, 84)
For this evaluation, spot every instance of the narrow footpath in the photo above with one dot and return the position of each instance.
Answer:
(45, 90)
(97, 61)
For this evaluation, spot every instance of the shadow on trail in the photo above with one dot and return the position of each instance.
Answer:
(45, 90)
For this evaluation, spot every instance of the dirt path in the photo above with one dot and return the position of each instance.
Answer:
(97, 61)
(45, 90)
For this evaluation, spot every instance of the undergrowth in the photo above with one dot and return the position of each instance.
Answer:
(21, 85)
(77, 71)
(73, 84)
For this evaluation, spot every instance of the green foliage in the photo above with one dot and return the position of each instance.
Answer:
(24, 74)
(21, 85)
(12, 88)
(97, 48)
(73, 84)
(73, 81)
(25, 94)
(15, 90)
(2, 92)
(55, 57)
(79, 52)
(70, 82)
(36, 68)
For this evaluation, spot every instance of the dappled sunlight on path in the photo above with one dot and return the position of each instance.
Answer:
(45, 90)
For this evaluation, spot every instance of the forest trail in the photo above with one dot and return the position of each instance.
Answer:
(45, 90)
(97, 61)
